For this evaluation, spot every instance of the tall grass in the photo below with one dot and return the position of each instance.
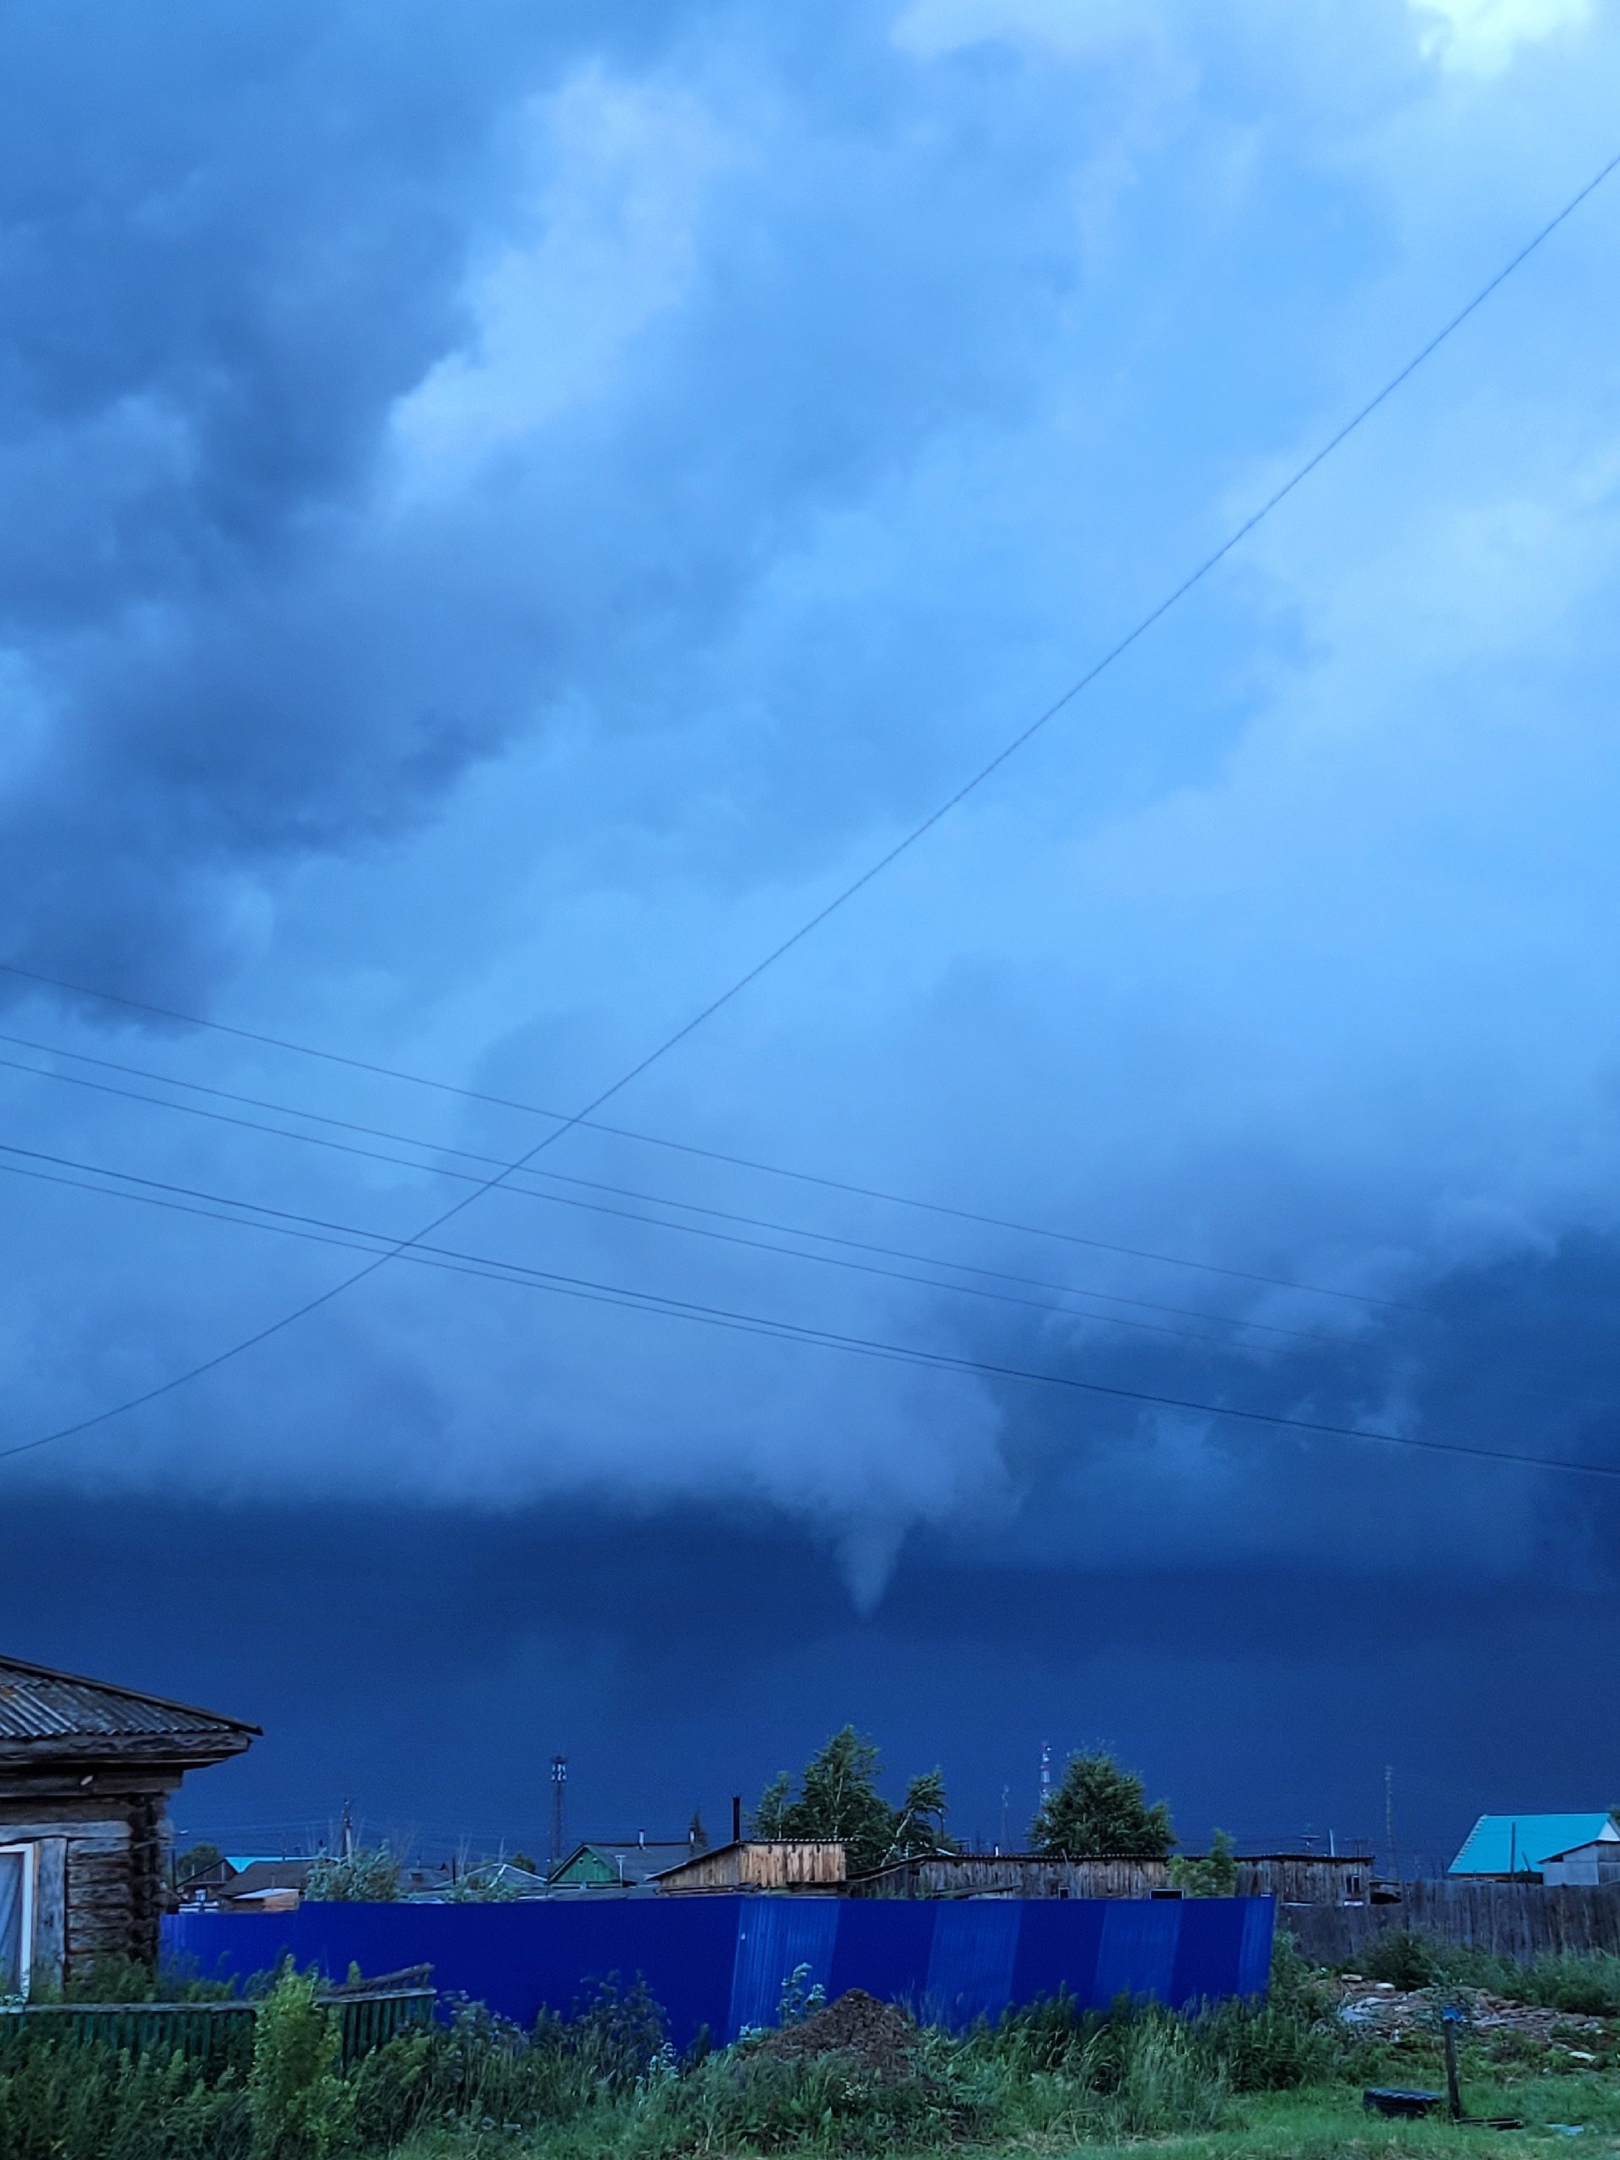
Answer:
(1581, 1982)
(604, 2084)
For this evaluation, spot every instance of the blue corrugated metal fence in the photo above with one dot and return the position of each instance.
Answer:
(721, 1962)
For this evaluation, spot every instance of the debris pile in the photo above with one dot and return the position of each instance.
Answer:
(1378, 2008)
(879, 2035)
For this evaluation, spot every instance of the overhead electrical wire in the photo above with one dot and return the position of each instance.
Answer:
(659, 1140)
(186, 1196)
(582, 1288)
(849, 891)
(596, 1207)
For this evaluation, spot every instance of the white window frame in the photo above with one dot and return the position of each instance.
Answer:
(28, 1853)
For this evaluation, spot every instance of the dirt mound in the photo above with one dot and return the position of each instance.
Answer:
(878, 2034)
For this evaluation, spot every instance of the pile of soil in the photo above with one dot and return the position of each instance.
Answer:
(878, 2035)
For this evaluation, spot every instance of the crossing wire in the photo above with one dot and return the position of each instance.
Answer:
(555, 1283)
(841, 899)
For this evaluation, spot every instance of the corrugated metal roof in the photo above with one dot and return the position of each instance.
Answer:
(1499, 1844)
(38, 1704)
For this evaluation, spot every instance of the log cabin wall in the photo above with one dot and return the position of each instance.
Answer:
(99, 1877)
(86, 1768)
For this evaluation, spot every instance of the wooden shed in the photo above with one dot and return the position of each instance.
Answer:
(1297, 1878)
(761, 1864)
(86, 1769)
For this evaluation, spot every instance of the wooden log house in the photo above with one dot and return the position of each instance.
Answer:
(86, 1769)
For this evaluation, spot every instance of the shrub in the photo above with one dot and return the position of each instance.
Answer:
(1215, 1875)
(370, 1875)
(1403, 1958)
(298, 2104)
(83, 2100)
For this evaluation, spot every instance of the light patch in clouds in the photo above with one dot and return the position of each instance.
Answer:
(1483, 37)
(626, 167)
(1075, 28)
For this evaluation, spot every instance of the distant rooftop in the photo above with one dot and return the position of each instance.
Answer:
(1503, 1844)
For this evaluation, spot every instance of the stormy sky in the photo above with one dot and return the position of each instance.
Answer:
(507, 511)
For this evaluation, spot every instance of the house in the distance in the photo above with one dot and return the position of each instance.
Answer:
(1584, 1865)
(618, 1863)
(86, 1769)
(1500, 1847)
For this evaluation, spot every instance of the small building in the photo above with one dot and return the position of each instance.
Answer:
(264, 1886)
(1291, 1878)
(86, 1769)
(1499, 1847)
(1584, 1866)
(760, 1864)
(618, 1863)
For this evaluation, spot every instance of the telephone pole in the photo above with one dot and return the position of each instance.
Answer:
(1389, 1819)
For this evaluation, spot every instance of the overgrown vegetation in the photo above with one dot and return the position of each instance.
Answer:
(1581, 1983)
(1213, 1875)
(855, 2077)
(369, 1875)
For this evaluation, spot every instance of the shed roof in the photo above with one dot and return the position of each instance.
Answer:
(1500, 1844)
(48, 1715)
(630, 1860)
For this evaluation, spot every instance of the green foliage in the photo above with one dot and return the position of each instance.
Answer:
(480, 1887)
(298, 2104)
(603, 2084)
(370, 1875)
(87, 2101)
(1097, 1810)
(195, 1860)
(1215, 1875)
(838, 1798)
(1583, 1983)
(749, 2099)
(1402, 1958)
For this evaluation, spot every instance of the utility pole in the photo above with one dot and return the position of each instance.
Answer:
(1006, 1798)
(559, 1787)
(1389, 1819)
(346, 1833)
(1046, 1773)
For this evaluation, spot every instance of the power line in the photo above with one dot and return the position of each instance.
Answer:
(857, 885)
(623, 1132)
(776, 1329)
(184, 1200)
(526, 1192)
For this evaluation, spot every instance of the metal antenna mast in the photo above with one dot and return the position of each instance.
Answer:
(559, 1787)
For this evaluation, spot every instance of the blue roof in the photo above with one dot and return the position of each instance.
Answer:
(1498, 1844)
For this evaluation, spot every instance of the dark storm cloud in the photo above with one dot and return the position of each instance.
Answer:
(427, 1664)
(506, 513)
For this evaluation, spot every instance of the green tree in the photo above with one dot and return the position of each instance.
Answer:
(1098, 1810)
(838, 1798)
(370, 1875)
(196, 1860)
(1215, 1875)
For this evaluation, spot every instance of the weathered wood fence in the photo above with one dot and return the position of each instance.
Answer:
(1516, 1920)
(205, 2030)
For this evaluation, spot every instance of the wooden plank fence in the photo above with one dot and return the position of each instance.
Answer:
(1514, 1920)
(207, 2030)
